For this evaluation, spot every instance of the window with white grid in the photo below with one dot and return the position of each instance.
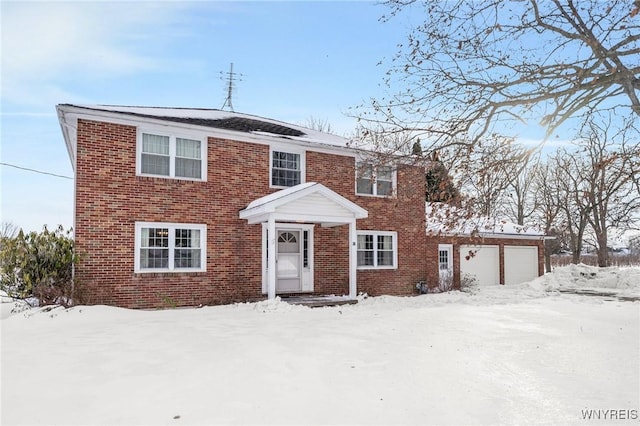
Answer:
(170, 247)
(170, 156)
(377, 249)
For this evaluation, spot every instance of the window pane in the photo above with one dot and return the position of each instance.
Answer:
(155, 144)
(365, 258)
(384, 188)
(155, 165)
(364, 186)
(187, 148)
(443, 259)
(385, 173)
(186, 258)
(154, 258)
(365, 250)
(188, 168)
(385, 258)
(385, 242)
(365, 242)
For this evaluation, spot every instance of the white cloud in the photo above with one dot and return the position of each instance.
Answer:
(45, 44)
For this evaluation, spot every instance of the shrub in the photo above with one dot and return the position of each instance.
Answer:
(40, 265)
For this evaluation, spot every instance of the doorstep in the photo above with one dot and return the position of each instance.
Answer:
(319, 301)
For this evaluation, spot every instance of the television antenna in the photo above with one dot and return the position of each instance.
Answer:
(231, 78)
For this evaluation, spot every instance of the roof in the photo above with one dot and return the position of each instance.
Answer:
(444, 219)
(309, 202)
(219, 119)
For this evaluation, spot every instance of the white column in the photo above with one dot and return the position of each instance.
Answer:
(353, 260)
(271, 261)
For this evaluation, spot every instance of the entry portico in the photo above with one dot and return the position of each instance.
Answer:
(287, 217)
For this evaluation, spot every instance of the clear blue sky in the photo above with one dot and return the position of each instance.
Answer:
(298, 60)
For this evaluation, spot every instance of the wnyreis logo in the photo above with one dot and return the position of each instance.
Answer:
(588, 414)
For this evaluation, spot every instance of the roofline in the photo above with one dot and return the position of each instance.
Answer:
(77, 111)
(510, 236)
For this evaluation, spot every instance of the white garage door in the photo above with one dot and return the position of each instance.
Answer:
(484, 264)
(520, 264)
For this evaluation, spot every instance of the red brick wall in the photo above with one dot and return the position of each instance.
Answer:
(431, 255)
(110, 198)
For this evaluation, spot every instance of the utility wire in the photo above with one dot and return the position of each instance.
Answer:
(35, 171)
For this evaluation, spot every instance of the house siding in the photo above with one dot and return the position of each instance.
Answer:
(110, 199)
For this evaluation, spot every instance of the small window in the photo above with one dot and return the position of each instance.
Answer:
(443, 260)
(162, 247)
(170, 156)
(286, 168)
(374, 180)
(377, 249)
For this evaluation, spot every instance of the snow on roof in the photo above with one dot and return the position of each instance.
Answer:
(234, 121)
(442, 218)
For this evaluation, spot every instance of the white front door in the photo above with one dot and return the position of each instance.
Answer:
(288, 261)
(445, 266)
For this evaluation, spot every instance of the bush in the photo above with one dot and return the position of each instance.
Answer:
(39, 265)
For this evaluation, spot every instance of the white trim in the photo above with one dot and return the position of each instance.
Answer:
(394, 241)
(261, 209)
(172, 227)
(172, 153)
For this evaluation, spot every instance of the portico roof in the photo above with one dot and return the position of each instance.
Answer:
(307, 202)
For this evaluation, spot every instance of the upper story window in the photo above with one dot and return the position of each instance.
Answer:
(171, 156)
(170, 247)
(374, 180)
(286, 168)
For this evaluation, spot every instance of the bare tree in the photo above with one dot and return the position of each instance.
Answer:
(319, 124)
(571, 198)
(471, 64)
(547, 206)
(521, 199)
(612, 157)
(488, 170)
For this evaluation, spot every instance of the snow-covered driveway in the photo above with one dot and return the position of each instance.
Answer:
(502, 356)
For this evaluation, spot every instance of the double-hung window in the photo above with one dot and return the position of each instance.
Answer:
(171, 156)
(286, 168)
(377, 249)
(374, 180)
(170, 247)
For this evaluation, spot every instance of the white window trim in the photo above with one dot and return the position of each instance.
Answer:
(172, 227)
(394, 179)
(289, 150)
(394, 241)
(172, 153)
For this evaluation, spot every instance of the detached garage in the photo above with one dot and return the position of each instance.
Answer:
(491, 251)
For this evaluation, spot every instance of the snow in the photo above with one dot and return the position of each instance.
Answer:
(524, 354)
(449, 220)
(311, 135)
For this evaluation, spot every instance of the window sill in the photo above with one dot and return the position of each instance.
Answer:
(376, 268)
(160, 273)
(179, 179)
(375, 196)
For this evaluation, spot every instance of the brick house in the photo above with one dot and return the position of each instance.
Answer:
(183, 207)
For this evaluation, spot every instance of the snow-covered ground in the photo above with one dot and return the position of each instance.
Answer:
(524, 354)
